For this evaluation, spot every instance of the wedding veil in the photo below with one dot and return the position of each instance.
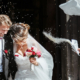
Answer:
(48, 57)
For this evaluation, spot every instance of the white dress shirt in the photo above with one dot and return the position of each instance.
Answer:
(1, 53)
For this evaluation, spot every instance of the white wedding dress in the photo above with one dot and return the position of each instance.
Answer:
(41, 72)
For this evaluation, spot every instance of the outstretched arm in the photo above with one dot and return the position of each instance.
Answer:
(79, 50)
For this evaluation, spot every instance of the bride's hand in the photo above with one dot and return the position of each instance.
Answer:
(33, 61)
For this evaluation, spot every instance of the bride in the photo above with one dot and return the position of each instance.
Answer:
(30, 68)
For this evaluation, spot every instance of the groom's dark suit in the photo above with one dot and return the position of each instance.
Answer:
(12, 67)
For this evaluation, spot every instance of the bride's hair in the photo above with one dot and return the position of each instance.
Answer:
(19, 31)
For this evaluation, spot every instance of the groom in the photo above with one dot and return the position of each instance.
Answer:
(7, 64)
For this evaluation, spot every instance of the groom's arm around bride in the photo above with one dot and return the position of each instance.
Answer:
(12, 67)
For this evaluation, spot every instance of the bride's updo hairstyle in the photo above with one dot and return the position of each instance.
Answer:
(19, 31)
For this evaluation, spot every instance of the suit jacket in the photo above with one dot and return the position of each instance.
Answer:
(9, 63)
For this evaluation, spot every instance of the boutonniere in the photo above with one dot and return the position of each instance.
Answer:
(7, 52)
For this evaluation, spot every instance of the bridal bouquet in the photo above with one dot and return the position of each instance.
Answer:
(34, 52)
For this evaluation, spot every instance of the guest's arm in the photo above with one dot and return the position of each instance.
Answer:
(79, 50)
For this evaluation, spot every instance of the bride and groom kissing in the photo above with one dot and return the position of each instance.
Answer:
(17, 46)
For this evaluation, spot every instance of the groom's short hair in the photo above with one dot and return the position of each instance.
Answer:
(4, 19)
